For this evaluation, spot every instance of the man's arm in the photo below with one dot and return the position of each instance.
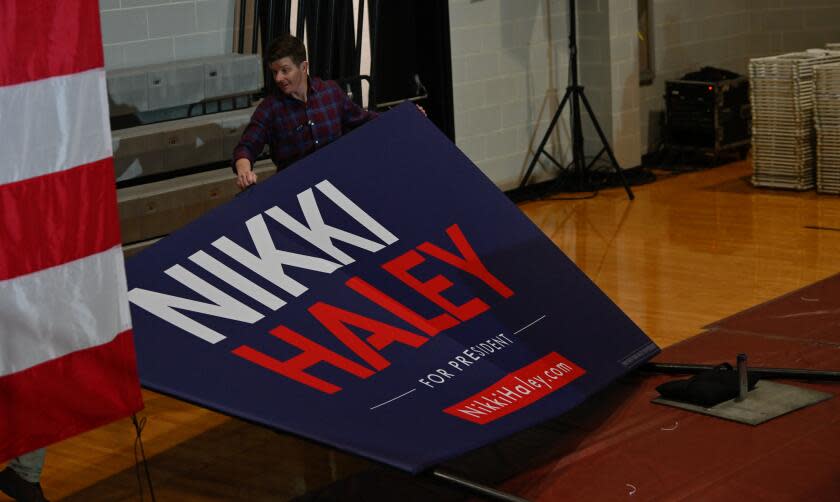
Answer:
(253, 140)
(245, 175)
(352, 115)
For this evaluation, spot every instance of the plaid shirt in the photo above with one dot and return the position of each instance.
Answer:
(293, 129)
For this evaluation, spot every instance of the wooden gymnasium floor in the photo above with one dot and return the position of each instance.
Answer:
(690, 250)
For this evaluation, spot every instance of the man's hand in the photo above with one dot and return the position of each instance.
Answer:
(421, 110)
(245, 176)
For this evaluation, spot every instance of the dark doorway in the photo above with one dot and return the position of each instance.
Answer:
(410, 51)
(412, 38)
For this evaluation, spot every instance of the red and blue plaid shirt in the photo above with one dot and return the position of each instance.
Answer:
(293, 129)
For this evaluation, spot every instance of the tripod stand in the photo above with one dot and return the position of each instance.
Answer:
(575, 96)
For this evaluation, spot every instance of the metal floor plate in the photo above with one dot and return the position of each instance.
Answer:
(766, 401)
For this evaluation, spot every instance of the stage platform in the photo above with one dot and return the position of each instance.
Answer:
(620, 446)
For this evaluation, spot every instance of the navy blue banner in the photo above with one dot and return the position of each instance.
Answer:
(381, 296)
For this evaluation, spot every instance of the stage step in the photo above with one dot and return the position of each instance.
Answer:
(154, 210)
(157, 149)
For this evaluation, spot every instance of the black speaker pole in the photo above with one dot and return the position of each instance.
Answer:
(574, 96)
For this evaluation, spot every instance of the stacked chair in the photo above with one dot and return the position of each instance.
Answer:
(827, 119)
(783, 96)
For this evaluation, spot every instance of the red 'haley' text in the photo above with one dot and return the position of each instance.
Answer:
(269, 262)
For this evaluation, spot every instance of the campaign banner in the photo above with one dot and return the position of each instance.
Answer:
(381, 296)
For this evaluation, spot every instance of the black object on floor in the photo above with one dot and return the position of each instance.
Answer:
(707, 388)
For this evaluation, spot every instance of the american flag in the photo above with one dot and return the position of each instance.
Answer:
(67, 361)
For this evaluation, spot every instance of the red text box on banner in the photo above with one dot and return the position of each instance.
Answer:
(519, 389)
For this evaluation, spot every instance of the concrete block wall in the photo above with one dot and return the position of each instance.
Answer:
(510, 60)
(509, 64)
(625, 137)
(778, 26)
(595, 68)
(609, 66)
(687, 35)
(140, 32)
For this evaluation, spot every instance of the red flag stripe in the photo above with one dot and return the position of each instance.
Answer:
(69, 395)
(56, 218)
(47, 38)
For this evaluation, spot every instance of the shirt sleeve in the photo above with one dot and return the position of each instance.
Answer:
(352, 115)
(255, 136)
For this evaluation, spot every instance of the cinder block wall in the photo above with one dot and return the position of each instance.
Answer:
(505, 65)
(595, 67)
(500, 79)
(139, 32)
(510, 60)
(608, 60)
(510, 69)
(687, 35)
(709, 33)
(778, 26)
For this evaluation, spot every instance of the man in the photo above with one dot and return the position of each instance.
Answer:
(304, 114)
(20, 479)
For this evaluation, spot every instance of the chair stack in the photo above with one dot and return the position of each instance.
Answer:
(827, 120)
(782, 96)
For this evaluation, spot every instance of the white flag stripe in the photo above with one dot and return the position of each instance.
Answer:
(41, 322)
(53, 124)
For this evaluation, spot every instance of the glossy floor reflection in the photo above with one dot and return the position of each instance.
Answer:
(696, 247)
(690, 250)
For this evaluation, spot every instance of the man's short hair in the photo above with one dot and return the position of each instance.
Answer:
(286, 45)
